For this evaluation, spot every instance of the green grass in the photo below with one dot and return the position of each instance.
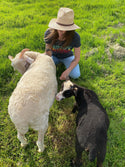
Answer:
(22, 25)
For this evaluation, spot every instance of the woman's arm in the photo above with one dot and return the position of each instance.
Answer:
(48, 50)
(66, 73)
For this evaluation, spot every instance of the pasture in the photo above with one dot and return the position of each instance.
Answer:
(102, 22)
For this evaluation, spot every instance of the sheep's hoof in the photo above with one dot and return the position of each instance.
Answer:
(40, 150)
(40, 147)
(23, 144)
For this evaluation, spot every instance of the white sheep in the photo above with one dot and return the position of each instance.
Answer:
(34, 94)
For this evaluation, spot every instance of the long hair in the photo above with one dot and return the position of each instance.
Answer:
(53, 37)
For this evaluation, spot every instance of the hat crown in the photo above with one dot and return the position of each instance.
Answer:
(65, 16)
(64, 21)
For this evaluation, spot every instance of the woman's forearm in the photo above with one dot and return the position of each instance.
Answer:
(76, 60)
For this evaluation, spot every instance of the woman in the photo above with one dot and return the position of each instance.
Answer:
(60, 39)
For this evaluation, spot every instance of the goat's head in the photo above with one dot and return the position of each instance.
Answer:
(68, 89)
(21, 62)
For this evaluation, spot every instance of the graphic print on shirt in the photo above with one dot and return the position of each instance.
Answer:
(60, 49)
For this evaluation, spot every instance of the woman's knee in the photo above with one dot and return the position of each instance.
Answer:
(56, 60)
(75, 74)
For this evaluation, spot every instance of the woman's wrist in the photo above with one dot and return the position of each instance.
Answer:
(68, 71)
(48, 49)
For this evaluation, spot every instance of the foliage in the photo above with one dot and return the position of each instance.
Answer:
(22, 25)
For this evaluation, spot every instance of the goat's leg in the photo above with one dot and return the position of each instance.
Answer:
(101, 155)
(92, 153)
(22, 139)
(79, 150)
(75, 108)
(99, 164)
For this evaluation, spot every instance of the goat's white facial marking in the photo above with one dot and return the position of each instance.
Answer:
(59, 96)
(65, 87)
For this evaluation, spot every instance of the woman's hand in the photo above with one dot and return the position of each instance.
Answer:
(48, 50)
(65, 75)
(24, 50)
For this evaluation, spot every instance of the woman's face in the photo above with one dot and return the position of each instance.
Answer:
(61, 33)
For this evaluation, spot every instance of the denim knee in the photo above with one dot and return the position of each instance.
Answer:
(75, 74)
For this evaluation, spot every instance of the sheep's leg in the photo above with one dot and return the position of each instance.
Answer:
(22, 139)
(40, 141)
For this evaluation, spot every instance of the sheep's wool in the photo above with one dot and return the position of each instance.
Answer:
(31, 100)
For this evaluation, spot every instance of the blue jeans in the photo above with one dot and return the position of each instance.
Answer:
(75, 73)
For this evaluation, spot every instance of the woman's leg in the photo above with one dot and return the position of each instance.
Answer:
(56, 60)
(75, 73)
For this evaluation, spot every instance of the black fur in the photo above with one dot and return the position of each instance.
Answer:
(91, 125)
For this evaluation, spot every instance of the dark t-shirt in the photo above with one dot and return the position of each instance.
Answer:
(61, 52)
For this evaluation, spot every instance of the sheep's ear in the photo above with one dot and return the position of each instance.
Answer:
(29, 59)
(11, 58)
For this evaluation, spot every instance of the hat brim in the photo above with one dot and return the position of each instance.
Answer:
(54, 25)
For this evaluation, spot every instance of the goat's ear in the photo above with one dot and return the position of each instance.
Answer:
(29, 59)
(75, 89)
(11, 58)
(67, 78)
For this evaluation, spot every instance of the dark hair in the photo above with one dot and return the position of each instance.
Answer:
(53, 37)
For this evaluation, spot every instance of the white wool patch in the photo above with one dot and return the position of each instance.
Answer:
(34, 94)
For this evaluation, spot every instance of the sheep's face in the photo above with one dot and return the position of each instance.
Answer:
(66, 91)
(20, 64)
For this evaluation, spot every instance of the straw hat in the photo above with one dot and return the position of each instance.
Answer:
(64, 21)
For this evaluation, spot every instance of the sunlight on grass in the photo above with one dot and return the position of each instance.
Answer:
(22, 25)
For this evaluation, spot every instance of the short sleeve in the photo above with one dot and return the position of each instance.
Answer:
(48, 41)
(76, 40)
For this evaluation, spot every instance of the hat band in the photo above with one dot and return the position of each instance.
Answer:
(65, 24)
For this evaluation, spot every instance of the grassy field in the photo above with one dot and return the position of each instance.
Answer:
(102, 22)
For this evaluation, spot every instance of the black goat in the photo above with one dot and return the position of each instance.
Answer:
(91, 122)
